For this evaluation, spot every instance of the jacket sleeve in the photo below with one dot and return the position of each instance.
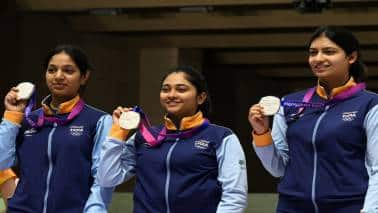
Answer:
(232, 174)
(9, 128)
(272, 148)
(118, 159)
(371, 160)
(99, 197)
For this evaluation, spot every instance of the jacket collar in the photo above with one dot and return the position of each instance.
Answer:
(63, 108)
(186, 123)
(320, 90)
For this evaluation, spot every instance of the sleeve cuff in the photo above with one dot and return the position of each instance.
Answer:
(14, 117)
(262, 140)
(6, 175)
(118, 133)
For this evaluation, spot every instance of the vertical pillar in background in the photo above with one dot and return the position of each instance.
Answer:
(154, 64)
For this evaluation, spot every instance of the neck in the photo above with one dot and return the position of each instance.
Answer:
(56, 101)
(329, 85)
(175, 120)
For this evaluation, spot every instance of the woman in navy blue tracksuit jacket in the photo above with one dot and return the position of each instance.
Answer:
(57, 147)
(205, 171)
(326, 155)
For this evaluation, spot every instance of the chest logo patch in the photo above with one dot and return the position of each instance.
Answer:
(30, 132)
(201, 144)
(76, 130)
(349, 116)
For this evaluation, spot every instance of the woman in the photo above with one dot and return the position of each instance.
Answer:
(325, 152)
(195, 166)
(7, 184)
(57, 146)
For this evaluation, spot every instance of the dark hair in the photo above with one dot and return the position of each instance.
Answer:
(199, 82)
(348, 42)
(76, 54)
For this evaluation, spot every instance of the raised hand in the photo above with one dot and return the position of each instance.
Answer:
(117, 113)
(12, 103)
(259, 122)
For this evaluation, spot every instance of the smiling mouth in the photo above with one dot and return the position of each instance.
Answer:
(58, 86)
(320, 68)
(172, 104)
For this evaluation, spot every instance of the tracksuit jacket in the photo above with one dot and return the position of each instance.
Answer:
(204, 173)
(57, 163)
(327, 157)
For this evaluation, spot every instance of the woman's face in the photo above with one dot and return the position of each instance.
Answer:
(328, 61)
(63, 77)
(179, 97)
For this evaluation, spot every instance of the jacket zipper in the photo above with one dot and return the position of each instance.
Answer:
(49, 153)
(168, 179)
(313, 196)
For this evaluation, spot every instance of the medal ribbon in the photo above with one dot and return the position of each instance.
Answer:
(153, 141)
(29, 108)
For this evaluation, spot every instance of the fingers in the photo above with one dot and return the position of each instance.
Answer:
(256, 112)
(259, 122)
(119, 110)
(23, 103)
(14, 89)
(11, 97)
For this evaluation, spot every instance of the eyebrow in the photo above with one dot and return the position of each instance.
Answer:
(175, 85)
(180, 84)
(66, 65)
(314, 48)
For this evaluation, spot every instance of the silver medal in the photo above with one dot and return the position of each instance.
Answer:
(25, 90)
(270, 104)
(129, 120)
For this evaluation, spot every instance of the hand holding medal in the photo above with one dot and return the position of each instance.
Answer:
(126, 118)
(129, 120)
(267, 106)
(17, 98)
(270, 105)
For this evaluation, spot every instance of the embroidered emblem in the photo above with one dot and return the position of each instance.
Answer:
(76, 130)
(30, 132)
(201, 144)
(242, 164)
(349, 116)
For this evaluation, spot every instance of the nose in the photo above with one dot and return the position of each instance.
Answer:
(59, 74)
(318, 57)
(172, 93)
